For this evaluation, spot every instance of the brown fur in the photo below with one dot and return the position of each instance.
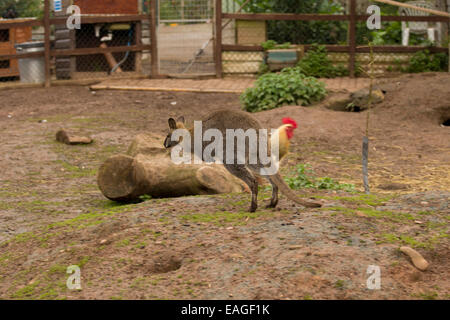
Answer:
(227, 119)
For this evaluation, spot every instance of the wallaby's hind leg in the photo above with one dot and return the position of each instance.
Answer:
(274, 200)
(247, 176)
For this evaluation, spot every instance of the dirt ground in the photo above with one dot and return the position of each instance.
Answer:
(52, 214)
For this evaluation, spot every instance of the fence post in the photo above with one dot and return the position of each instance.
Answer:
(153, 39)
(218, 38)
(47, 42)
(352, 39)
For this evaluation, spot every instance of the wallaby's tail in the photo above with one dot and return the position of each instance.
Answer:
(284, 188)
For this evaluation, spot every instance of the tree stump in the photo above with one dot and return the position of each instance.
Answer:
(147, 169)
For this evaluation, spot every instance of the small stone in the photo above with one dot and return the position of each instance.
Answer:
(424, 203)
(64, 137)
(418, 261)
(103, 241)
(360, 214)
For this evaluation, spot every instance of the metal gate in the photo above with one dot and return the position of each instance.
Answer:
(185, 37)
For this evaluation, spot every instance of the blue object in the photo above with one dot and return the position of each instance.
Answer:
(282, 56)
(57, 4)
(130, 36)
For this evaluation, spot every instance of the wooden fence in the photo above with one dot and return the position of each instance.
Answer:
(221, 20)
(351, 48)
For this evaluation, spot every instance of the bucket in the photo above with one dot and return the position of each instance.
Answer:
(32, 70)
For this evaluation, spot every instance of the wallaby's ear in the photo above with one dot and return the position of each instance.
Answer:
(172, 124)
(180, 119)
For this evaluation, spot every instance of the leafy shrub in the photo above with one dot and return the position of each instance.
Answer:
(274, 90)
(317, 64)
(303, 180)
(263, 69)
(389, 34)
(23, 8)
(306, 32)
(424, 61)
(271, 44)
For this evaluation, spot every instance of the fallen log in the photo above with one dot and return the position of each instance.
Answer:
(147, 169)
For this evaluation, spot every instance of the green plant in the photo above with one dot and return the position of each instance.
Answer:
(424, 61)
(302, 179)
(316, 63)
(290, 86)
(271, 44)
(263, 69)
(299, 32)
(24, 8)
(145, 197)
(285, 45)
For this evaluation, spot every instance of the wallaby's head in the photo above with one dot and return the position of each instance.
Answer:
(173, 125)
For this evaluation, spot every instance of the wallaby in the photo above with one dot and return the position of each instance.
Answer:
(227, 119)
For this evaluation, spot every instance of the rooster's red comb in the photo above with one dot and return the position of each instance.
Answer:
(290, 121)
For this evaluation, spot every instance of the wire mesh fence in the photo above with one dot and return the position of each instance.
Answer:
(108, 46)
(108, 43)
(185, 37)
(92, 64)
(245, 40)
(100, 46)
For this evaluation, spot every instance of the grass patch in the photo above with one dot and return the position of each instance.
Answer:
(75, 171)
(26, 291)
(225, 217)
(372, 200)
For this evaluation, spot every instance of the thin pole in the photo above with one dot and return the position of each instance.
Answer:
(47, 42)
(365, 144)
(352, 38)
(154, 39)
(218, 38)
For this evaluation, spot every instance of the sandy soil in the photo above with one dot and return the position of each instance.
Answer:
(52, 214)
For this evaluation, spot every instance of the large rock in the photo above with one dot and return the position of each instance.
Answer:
(356, 101)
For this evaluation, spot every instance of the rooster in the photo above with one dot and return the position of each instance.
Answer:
(285, 133)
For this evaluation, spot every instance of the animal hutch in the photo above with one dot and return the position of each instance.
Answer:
(98, 35)
(8, 38)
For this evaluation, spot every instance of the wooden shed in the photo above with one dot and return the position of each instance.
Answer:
(108, 6)
(8, 38)
(89, 37)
